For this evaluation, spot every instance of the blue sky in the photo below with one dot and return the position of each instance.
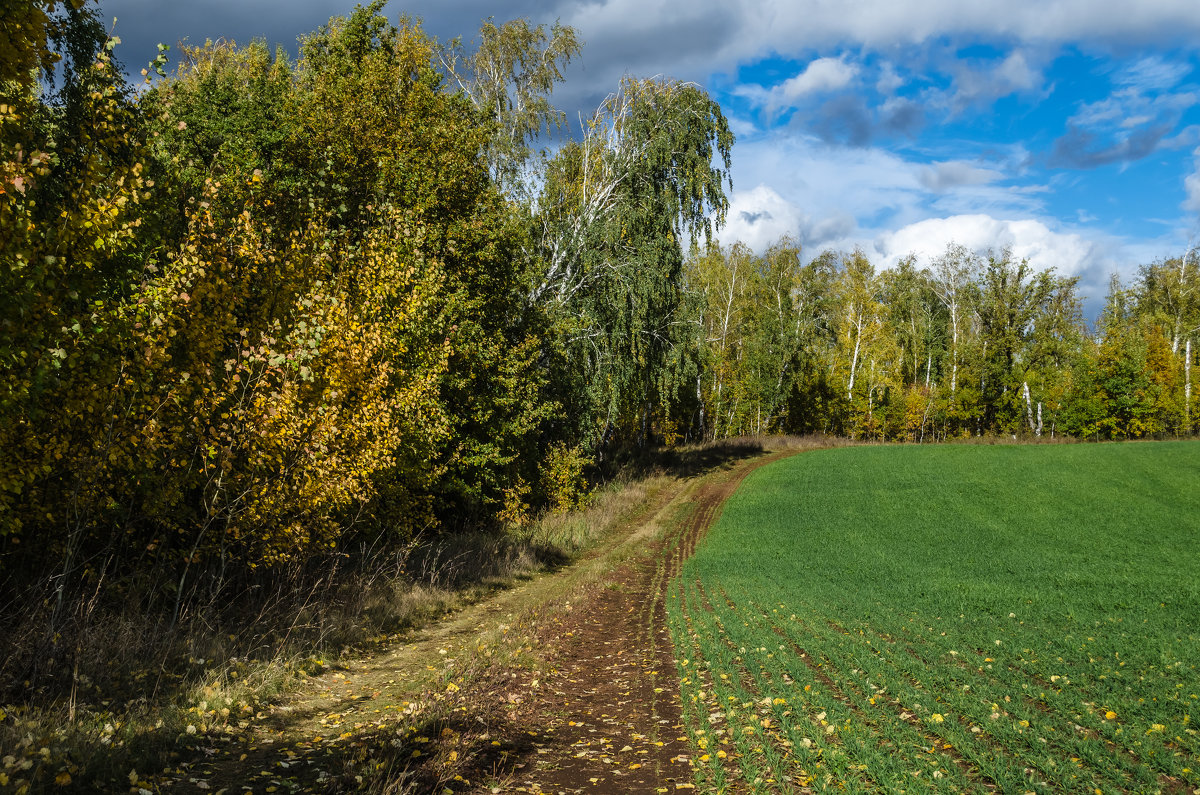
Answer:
(1068, 130)
(1077, 157)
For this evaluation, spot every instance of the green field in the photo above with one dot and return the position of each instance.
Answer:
(1013, 618)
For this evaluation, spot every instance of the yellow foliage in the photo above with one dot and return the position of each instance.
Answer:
(562, 478)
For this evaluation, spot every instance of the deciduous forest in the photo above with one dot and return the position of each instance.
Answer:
(262, 312)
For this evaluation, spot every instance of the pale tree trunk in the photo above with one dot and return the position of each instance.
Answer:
(1187, 384)
(1178, 317)
(982, 385)
(858, 324)
(1037, 429)
(954, 345)
(954, 348)
(778, 390)
(871, 394)
(729, 296)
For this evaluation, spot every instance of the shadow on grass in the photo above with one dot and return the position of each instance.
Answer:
(684, 462)
(456, 746)
(700, 459)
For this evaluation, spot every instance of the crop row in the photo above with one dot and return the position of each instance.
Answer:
(780, 695)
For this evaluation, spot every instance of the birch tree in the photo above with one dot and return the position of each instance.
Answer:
(775, 337)
(952, 273)
(648, 173)
(861, 311)
(1014, 299)
(1169, 296)
(509, 80)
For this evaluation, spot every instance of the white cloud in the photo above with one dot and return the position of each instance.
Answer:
(1089, 254)
(980, 83)
(1123, 127)
(819, 178)
(1069, 253)
(1152, 73)
(690, 40)
(695, 40)
(1015, 74)
(821, 75)
(824, 75)
(759, 217)
(880, 188)
(889, 80)
(1129, 106)
(1192, 185)
(840, 198)
(880, 23)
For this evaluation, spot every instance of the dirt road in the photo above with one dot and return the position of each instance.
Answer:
(566, 683)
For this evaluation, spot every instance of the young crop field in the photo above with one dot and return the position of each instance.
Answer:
(946, 619)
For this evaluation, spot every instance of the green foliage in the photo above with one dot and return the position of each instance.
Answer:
(224, 115)
(971, 346)
(27, 31)
(73, 180)
(751, 333)
(614, 210)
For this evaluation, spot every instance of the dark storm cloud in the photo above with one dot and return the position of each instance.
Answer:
(681, 47)
(141, 24)
(144, 23)
(903, 117)
(942, 177)
(679, 44)
(816, 233)
(1082, 149)
(847, 119)
(755, 217)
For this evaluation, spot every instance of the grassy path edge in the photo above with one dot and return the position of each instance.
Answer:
(397, 720)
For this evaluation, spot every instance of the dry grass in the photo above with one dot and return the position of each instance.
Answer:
(139, 688)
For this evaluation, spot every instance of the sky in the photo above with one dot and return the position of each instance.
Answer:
(1066, 130)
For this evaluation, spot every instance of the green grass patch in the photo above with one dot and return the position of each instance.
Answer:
(949, 618)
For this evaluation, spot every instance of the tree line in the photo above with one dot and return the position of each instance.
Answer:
(973, 344)
(267, 309)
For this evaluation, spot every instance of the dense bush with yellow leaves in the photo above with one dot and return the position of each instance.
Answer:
(562, 478)
(257, 314)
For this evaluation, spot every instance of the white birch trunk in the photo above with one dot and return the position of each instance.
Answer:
(854, 360)
(1029, 406)
(954, 348)
(1187, 383)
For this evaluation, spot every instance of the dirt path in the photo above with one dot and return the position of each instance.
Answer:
(566, 683)
(611, 713)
